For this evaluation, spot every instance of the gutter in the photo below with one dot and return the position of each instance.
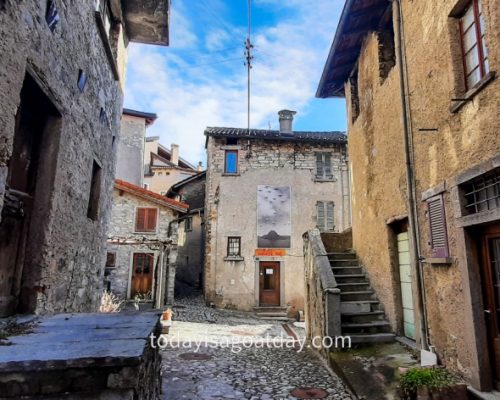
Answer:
(410, 172)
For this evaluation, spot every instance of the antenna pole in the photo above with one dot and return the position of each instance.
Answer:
(249, 57)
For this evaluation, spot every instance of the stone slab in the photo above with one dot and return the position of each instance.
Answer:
(80, 340)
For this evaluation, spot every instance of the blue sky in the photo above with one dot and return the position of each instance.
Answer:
(200, 79)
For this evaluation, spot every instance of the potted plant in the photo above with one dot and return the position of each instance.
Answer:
(431, 384)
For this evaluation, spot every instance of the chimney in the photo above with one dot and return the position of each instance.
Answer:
(200, 166)
(174, 154)
(286, 121)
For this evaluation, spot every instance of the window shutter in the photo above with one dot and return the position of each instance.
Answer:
(319, 165)
(329, 216)
(320, 206)
(437, 223)
(151, 219)
(140, 221)
(328, 166)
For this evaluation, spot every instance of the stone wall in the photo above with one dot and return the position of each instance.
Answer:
(123, 226)
(130, 154)
(231, 210)
(65, 253)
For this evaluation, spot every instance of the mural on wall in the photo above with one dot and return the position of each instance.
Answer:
(274, 225)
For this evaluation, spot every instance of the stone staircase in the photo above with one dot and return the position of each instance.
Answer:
(362, 315)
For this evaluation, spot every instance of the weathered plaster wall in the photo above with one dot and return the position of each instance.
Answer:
(130, 153)
(463, 140)
(231, 210)
(163, 178)
(66, 251)
(376, 155)
(123, 226)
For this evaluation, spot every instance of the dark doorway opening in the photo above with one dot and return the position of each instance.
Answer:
(29, 185)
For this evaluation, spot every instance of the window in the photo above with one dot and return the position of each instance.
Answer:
(437, 224)
(483, 192)
(110, 260)
(234, 246)
(145, 220)
(232, 141)
(188, 224)
(231, 162)
(355, 109)
(324, 215)
(474, 49)
(95, 192)
(386, 49)
(324, 166)
(104, 11)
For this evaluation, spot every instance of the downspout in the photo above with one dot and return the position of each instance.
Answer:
(410, 172)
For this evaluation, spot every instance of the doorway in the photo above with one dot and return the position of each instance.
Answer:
(490, 276)
(405, 281)
(269, 283)
(28, 193)
(142, 274)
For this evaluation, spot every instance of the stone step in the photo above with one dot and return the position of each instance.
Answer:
(359, 306)
(373, 338)
(357, 295)
(342, 255)
(361, 317)
(274, 318)
(347, 270)
(277, 309)
(380, 326)
(344, 263)
(353, 287)
(351, 278)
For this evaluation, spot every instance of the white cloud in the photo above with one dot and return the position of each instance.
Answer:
(189, 95)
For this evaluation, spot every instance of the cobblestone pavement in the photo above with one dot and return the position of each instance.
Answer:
(239, 372)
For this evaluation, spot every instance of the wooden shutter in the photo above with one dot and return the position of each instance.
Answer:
(145, 220)
(330, 226)
(140, 220)
(319, 165)
(320, 215)
(327, 165)
(437, 223)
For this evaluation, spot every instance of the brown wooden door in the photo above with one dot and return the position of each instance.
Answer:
(269, 282)
(490, 270)
(142, 273)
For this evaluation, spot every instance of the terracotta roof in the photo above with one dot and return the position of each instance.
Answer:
(297, 136)
(149, 195)
(358, 18)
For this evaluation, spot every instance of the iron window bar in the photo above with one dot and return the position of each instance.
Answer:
(483, 193)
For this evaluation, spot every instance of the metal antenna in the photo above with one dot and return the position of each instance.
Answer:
(249, 58)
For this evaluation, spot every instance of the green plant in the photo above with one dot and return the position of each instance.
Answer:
(432, 378)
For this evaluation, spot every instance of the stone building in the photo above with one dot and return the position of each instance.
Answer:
(191, 241)
(424, 151)
(130, 153)
(164, 167)
(142, 244)
(62, 69)
(264, 190)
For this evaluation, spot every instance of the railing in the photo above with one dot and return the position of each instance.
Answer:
(322, 303)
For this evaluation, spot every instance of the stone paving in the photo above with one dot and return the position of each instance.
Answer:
(240, 372)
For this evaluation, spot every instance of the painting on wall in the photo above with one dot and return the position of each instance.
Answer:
(274, 225)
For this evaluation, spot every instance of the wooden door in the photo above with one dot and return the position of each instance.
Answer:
(142, 273)
(269, 282)
(490, 271)
(406, 284)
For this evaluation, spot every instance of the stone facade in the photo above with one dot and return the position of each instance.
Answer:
(450, 143)
(124, 242)
(231, 210)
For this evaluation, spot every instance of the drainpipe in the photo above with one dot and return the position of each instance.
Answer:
(410, 171)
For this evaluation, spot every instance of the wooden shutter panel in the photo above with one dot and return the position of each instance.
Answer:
(320, 207)
(437, 223)
(140, 220)
(319, 165)
(328, 166)
(329, 216)
(151, 219)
